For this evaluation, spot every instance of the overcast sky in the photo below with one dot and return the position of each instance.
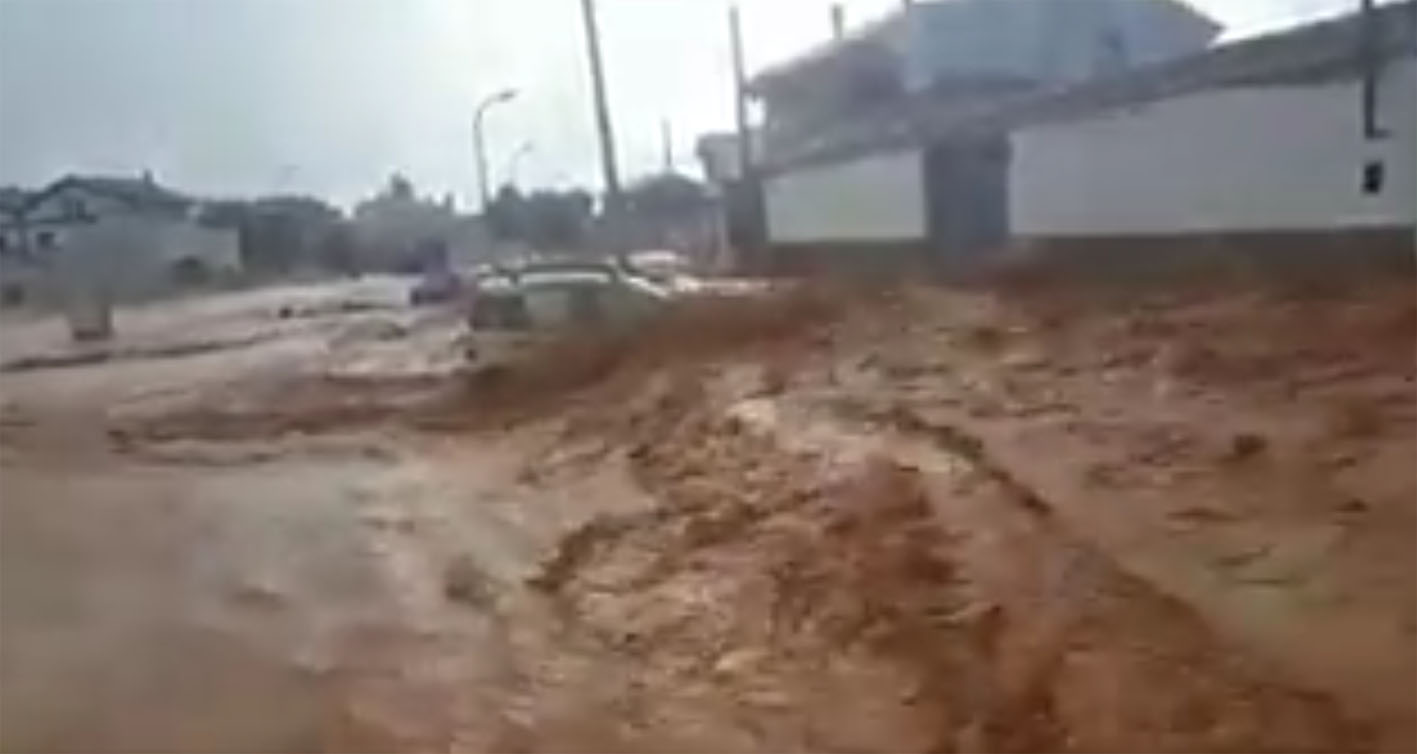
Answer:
(230, 97)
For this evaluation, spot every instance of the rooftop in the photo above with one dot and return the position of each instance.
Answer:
(1321, 51)
(994, 38)
(141, 191)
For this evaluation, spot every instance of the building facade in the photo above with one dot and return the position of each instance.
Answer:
(1279, 157)
(126, 237)
(1306, 132)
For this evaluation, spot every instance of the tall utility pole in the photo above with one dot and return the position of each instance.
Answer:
(602, 114)
(746, 221)
(740, 95)
(666, 145)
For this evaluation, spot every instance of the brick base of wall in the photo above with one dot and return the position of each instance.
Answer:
(1280, 253)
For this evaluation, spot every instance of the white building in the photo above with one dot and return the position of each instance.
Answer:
(1264, 136)
(1311, 131)
(128, 237)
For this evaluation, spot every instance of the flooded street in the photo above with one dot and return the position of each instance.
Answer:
(187, 595)
(939, 376)
(152, 609)
(1166, 522)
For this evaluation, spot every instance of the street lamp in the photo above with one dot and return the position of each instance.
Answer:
(513, 162)
(488, 101)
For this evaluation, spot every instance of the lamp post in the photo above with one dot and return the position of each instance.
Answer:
(515, 161)
(487, 102)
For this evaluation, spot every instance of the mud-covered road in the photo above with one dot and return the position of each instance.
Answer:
(1034, 520)
(188, 594)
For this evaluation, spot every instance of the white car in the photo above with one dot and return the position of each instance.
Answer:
(547, 295)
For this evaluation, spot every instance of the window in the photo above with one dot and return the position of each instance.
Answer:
(45, 239)
(1373, 177)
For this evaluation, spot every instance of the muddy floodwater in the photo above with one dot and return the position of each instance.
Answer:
(312, 518)
(192, 596)
(152, 608)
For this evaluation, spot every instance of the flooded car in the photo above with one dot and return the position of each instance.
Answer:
(552, 295)
(433, 288)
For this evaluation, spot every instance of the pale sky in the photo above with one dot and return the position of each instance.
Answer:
(328, 97)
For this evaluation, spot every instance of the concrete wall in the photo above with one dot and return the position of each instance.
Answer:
(1281, 158)
(875, 198)
(132, 256)
(218, 249)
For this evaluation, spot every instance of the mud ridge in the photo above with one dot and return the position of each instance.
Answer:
(101, 355)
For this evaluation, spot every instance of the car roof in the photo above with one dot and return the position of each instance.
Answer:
(562, 278)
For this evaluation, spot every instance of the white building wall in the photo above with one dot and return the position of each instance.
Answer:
(117, 253)
(133, 255)
(218, 249)
(1246, 159)
(876, 198)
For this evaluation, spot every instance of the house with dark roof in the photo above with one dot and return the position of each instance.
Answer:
(130, 237)
(1308, 130)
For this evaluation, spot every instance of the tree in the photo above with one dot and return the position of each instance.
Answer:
(662, 209)
(665, 197)
(399, 188)
(277, 233)
(545, 219)
(504, 214)
(336, 249)
(556, 219)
